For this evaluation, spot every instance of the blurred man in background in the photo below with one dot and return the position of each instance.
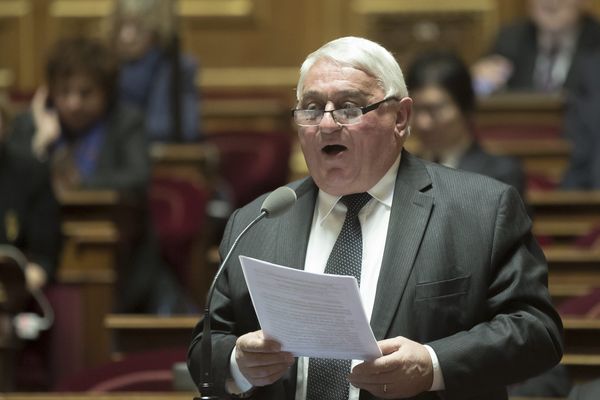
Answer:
(541, 52)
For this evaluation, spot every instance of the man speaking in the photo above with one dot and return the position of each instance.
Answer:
(452, 280)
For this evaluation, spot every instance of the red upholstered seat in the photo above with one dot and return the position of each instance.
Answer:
(178, 209)
(252, 162)
(583, 306)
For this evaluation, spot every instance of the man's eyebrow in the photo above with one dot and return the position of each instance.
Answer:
(355, 93)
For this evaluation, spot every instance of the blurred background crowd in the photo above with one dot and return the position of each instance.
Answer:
(131, 129)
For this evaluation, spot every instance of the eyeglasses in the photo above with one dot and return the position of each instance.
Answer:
(342, 116)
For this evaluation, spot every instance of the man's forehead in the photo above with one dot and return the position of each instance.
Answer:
(346, 93)
(331, 80)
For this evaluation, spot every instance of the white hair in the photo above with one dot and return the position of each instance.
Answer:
(361, 54)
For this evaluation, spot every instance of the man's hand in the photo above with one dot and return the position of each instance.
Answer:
(491, 73)
(404, 370)
(260, 360)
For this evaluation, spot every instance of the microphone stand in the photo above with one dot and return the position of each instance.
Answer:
(206, 386)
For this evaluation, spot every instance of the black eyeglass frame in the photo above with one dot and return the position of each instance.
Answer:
(363, 110)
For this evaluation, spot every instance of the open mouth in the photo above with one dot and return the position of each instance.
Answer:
(333, 149)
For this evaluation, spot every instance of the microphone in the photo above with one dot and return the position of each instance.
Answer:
(28, 325)
(276, 204)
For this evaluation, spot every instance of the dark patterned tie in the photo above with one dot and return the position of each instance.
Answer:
(326, 377)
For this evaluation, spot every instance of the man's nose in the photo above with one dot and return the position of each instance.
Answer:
(328, 123)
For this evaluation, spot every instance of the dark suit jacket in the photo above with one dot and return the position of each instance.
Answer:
(586, 391)
(29, 213)
(504, 169)
(123, 162)
(124, 165)
(518, 43)
(460, 272)
(582, 127)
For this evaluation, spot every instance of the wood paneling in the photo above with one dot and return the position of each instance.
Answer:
(258, 42)
(254, 43)
(17, 43)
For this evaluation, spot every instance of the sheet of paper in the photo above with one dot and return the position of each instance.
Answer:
(312, 315)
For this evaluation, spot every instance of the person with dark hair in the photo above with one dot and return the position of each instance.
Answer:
(542, 51)
(448, 271)
(90, 140)
(154, 75)
(444, 103)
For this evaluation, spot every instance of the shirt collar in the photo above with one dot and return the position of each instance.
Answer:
(383, 192)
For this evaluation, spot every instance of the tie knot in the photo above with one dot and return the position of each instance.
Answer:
(355, 202)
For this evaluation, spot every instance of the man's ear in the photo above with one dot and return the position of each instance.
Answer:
(403, 117)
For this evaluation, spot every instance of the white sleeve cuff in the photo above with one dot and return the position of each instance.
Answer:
(438, 377)
(238, 383)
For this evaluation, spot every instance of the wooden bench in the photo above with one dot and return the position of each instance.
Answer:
(582, 348)
(527, 126)
(572, 271)
(132, 332)
(240, 110)
(525, 112)
(96, 226)
(564, 215)
(542, 159)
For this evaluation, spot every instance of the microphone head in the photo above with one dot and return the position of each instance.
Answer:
(278, 201)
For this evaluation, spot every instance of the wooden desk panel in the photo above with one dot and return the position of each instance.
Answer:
(133, 332)
(97, 226)
(582, 348)
(565, 215)
(520, 109)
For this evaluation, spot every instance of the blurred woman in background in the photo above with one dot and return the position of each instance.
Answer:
(153, 75)
(444, 102)
(90, 140)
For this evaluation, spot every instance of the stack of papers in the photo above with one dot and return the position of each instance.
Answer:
(312, 315)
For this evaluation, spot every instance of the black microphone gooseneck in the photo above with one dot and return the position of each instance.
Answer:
(276, 203)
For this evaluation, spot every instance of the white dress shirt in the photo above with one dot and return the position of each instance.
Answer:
(328, 219)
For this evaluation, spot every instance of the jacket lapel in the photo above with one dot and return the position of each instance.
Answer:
(294, 227)
(408, 219)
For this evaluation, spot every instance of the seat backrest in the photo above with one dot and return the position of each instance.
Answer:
(252, 162)
(178, 210)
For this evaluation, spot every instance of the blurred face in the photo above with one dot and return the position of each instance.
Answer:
(555, 16)
(437, 120)
(133, 39)
(79, 101)
(352, 158)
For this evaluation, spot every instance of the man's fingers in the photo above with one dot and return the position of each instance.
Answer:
(378, 366)
(265, 376)
(255, 342)
(372, 379)
(266, 371)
